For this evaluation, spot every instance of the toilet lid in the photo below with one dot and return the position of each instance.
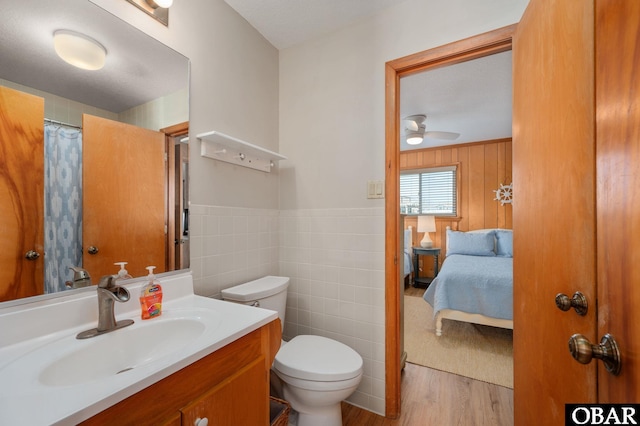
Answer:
(256, 289)
(318, 358)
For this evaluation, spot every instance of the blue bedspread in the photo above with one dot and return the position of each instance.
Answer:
(474, 284)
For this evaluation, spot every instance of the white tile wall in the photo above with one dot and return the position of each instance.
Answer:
(231, 245)
(335, 258)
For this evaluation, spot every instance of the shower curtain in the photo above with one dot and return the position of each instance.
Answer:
(63, 204)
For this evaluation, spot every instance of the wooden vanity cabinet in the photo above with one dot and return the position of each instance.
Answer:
(228, 387)
(231, 402)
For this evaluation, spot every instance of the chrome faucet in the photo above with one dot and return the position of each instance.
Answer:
(108, 293)
(81, 278)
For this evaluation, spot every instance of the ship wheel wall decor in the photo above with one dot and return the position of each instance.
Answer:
(504, 194)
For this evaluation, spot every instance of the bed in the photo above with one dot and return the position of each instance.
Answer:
(408, 254)
(475, 283)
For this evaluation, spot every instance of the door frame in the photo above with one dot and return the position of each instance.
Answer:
(171, 132)
(496, 41)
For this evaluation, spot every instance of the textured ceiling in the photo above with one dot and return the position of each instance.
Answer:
(138, 67)
(472, 98)
(286, 23)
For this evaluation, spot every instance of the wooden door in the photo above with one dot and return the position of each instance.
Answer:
(554, 206)
(618, 191)
(575, 55)
(123, 205)
(21, 194)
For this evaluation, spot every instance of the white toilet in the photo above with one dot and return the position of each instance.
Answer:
(317, 373)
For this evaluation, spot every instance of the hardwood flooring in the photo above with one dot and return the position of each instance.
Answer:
(432, 397)
(414, 291)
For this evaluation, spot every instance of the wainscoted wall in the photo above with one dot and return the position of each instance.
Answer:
(335, 258)
(231, 245)
(483, 167)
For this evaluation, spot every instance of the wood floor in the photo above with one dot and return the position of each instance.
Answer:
(432, 397)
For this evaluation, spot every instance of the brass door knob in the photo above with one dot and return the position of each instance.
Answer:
(578, 302)
(583, 351)
(31, 255)
(92, 250)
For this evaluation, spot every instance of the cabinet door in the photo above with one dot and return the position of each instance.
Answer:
(241, 399)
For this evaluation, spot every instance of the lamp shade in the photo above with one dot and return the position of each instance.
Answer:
(426, 224)
(79, 50)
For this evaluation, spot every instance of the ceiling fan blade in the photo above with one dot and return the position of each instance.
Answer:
(442, 135)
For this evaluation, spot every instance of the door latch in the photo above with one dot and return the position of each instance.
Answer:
(583, 351)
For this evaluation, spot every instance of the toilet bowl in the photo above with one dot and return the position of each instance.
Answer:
(316, 373)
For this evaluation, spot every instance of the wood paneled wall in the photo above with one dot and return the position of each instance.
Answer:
(483, 166)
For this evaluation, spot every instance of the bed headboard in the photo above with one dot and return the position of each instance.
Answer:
(408, 238)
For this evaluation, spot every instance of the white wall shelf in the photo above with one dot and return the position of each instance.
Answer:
(225, 148)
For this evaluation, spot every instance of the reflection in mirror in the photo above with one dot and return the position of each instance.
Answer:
(93, 160)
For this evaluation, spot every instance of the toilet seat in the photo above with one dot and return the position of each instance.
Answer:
(317, 358)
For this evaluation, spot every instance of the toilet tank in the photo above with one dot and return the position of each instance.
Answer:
(269, 292)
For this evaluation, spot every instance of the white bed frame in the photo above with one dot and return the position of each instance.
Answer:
(408, 242)
(467, 317)
(472, 318)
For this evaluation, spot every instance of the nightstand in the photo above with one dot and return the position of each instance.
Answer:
(421, 251)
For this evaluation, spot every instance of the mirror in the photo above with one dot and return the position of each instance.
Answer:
(144, 84)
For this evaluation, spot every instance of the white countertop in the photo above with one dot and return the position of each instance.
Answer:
(25, 399)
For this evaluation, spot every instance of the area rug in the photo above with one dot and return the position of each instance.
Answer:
(475, 351)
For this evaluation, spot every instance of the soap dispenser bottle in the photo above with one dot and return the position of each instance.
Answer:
(151, 297)
(123, 274)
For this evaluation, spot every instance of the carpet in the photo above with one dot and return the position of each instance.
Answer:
(475, 351)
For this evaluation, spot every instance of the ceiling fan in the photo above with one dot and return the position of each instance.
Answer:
(415, 130)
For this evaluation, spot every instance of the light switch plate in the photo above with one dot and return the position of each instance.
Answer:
(375, 189)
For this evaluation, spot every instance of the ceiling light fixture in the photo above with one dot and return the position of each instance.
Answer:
(415, 130)
(415, 137)
(157, 9)
(79, 50)
(160, 3)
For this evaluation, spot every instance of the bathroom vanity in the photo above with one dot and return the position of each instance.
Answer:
(230, 386)
(201, 359)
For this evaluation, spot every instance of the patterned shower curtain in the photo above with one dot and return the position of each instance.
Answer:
(63, 204)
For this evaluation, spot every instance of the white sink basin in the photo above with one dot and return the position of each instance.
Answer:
(73, 379)
(122, 350)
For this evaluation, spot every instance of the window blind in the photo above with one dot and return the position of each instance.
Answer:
(429, 191)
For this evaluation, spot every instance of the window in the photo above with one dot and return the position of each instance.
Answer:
(431, 191)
